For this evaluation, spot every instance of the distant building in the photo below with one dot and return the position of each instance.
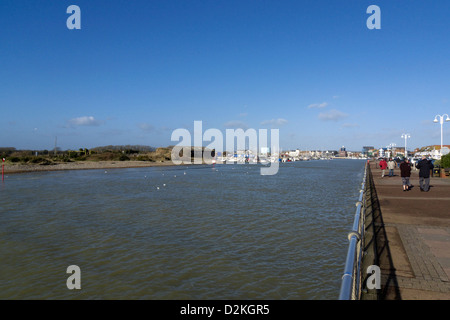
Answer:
(343, 152)
(368, 151)
(433, 151)
(399, 151)
(295, 153)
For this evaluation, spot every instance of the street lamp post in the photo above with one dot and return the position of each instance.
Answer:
(406, 136)
(441, 120)
(392, 145)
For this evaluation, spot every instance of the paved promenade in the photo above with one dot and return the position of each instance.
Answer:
(415, 262)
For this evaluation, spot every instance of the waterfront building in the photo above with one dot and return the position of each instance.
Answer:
(343, 152)
(367, 151)
(433, 151)
(295, 153)
(399, 152)
(265, 151)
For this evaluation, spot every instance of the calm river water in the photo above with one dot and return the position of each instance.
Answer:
(180, 232)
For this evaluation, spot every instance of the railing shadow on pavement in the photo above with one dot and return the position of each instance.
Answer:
(368, 247)
(377, 248)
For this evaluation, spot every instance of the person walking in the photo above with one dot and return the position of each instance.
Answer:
(383, 166)
(413, 164)
(391, 166)
(405, 173)
(424, 166)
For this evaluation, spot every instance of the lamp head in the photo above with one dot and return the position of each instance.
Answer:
(435, 120)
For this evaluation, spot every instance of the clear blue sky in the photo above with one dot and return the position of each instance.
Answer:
(139, 69)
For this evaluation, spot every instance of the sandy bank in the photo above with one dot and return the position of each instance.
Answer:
(82, 165)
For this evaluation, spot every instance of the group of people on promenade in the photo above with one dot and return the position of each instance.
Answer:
(425, 166)
(391, 165)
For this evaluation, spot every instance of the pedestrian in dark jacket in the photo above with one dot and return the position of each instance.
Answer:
(405, 173)
(424, 166)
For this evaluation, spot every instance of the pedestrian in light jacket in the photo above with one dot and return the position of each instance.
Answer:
(391, 166)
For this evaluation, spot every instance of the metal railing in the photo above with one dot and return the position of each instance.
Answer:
(350, 287)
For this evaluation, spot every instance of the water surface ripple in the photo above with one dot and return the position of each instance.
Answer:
(181, 232)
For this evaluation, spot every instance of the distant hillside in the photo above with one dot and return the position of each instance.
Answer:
(431, 148)
(135, 148)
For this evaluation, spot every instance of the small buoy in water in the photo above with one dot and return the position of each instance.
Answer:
(174, 176)
(106, 171)
(157, 188)
(164, 185)
(184, 172)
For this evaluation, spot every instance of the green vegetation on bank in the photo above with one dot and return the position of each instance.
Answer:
(445, 161)
(107, 153)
